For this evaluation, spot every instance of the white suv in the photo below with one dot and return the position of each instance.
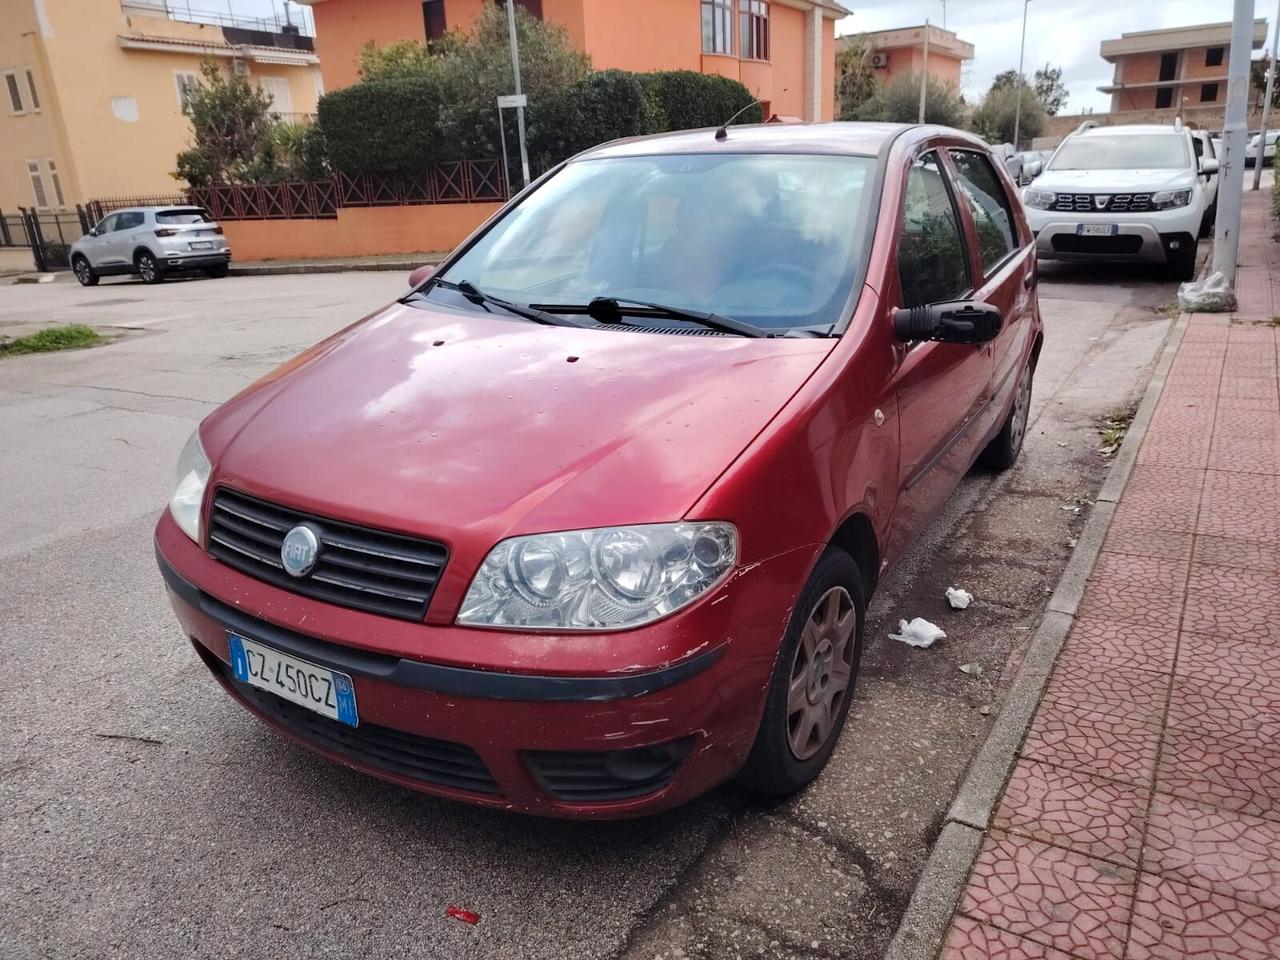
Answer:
(151, 242)
(1127, 194)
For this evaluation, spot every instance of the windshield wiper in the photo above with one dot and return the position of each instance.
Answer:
(611, 309)
(479, 297)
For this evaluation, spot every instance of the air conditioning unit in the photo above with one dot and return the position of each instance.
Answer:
(240, 67)
(879, 60)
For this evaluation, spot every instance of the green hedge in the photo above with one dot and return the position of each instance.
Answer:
(686, 100)
(384, 126)
(605, 106)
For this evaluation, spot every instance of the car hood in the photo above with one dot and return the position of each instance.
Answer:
(469, 428)
(1114, 181)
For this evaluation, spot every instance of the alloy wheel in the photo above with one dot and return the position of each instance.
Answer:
(821, 672)
(1021, 408)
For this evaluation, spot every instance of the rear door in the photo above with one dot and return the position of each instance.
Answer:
(941, 387)
(1004, 268)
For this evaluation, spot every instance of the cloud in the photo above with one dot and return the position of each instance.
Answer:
(1066, 33)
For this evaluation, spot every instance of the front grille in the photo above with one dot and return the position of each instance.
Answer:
(438, 762)
(357, 567)
(1121, 245)
(595, 777)
(1111, 202)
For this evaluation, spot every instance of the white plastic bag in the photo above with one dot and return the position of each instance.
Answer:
(918, 633)
(959, 599)
(1210, 295)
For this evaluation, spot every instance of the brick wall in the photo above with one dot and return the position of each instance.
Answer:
(1208, 117)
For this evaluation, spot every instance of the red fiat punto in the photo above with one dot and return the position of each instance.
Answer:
(586, 523)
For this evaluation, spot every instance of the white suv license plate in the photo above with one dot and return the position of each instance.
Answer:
(328, 692)
(1097, 229)
(201, 245)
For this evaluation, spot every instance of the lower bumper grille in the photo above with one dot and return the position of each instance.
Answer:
(426, 759)
(597, 777)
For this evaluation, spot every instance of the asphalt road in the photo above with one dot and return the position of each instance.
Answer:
(143, 814)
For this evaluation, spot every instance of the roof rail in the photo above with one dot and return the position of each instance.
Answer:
(1087, 125)
(1177, 124)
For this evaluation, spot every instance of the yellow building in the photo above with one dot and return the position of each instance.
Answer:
(91, 92)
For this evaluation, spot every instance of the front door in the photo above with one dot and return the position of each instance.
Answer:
(941, 387)
(97, 247)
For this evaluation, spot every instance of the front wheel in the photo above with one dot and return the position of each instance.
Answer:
(1182, 263)
(148, 269)
(1002, 452)
(84, 273)
(813, 680)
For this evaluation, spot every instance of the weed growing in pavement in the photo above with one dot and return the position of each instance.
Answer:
(1113, 428)
(54, 338)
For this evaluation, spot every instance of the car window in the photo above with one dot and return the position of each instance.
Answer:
(191, 215)
(931, 252)
(1131, 151)
(107, 224)
(130, 220)
(773, 239)
(989, 204)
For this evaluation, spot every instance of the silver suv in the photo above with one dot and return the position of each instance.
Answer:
(151, 242)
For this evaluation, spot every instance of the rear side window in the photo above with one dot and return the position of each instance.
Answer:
(191, 215)
(129, 220)
(931, 252)
(989, 204)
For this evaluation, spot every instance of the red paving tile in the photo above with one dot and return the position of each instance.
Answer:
(1219, 660)
(1053, 896)
(1072, 809)
(1173, 921)
(1139, 542)
(1137, 695)
(971, 940)
(1225, 711)
(1098, 743)
(1233, 602)
(1227, 551)
(1228, 773)
(1229, 853)
(1111, 643)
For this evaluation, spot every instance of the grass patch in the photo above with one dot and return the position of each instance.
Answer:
(1113, 428)
(68, 337)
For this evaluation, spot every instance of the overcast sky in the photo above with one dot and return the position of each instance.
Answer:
(1065, 33)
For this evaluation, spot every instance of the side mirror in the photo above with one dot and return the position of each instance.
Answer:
(93, 231)
(1035, 168)
(1208, 166)
(422, 274)
(961, 321)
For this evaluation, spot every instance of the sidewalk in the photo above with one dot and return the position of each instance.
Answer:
(1142, 817)
(399, 262)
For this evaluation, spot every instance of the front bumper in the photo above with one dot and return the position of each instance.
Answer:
(509, 737)
(1151, 237)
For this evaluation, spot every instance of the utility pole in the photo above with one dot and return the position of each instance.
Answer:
(924, 72)
(1266, 101)
(515, 69)
(1226, 240)
(1022, 52)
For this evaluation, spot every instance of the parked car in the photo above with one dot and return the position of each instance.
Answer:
(151, 242)
(587, 522)
(1032, 165)
(1128, 194)
(1268, 152)
(1012, 161)
(1202, 142)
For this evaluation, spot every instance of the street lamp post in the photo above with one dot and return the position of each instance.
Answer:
(1022, 52)
(515, 68)
(1226, 240)
(1266, 103)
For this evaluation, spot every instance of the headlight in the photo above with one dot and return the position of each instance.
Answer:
(603, 579)
(1040, 199)
(1165, 199)
(191, 476)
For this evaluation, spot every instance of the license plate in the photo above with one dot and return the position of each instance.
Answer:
(327, 692)
(202, 245)
(1097, 229)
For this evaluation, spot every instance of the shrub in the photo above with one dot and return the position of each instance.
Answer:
(230, 119)
(687, 100)
(384, 126)
(605, 106)
(994, 118)
(898, 101)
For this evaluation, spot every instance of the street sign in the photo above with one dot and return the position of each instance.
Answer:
(511, 100)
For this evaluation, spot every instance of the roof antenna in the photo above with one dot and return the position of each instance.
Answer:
(722, 133)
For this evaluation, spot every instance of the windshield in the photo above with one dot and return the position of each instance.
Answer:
(771, 239)
(1133, 151)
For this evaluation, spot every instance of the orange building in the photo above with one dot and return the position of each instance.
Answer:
(783, 51)
(1181, 66)
(903, 50)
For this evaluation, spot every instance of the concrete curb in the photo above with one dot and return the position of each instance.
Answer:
(337, 266)
(926, 920)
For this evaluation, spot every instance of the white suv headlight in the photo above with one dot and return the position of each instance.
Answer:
(1167, 199)
(603, 579)
(1040, 199)
(191, 476)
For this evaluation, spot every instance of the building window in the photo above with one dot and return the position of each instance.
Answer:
(1213, 56)
(56, 183)
(1208, 92)
(31, 86)
(37, 184)
(433, 22)
(753, 37)
(1168, 65)
(185, 82)
(15, 92)
(717, 26)
(531, 7)
(1164, 98)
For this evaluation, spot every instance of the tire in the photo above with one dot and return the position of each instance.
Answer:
(1003, 450)
(1182, 264)
(776, 766)
(148, 268)
(1208, 221)
(216, 273)
(84, 273)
